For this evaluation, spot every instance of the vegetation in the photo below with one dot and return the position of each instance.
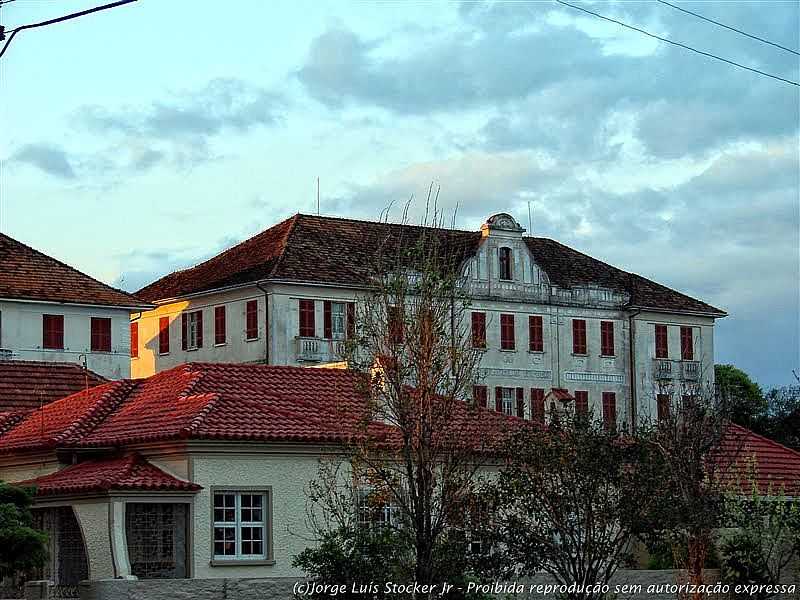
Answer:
(745, 398)
(22, 548)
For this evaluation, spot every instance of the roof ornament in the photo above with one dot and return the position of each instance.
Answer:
(502, 222)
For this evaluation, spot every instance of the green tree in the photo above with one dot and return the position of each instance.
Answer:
(744, 397)
(21, 547)
(782, 419)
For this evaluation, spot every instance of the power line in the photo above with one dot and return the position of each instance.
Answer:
(755, 37)
(668, 41)
(16, 30)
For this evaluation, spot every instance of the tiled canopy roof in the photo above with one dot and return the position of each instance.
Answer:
(219, 401)
(27, 274)
(25, 385)
(341, 251)
(747, 458)
(129, 472)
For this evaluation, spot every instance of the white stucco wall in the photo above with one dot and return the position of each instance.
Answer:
(286, 474)
(94, 519)
(21, 332)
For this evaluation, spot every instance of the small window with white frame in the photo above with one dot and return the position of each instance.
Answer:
(375, 510)
(338, 320)
(194, 321)
(508, 401)
(241, 525)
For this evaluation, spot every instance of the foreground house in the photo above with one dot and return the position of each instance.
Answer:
(50, 312)
(546, 316)
(199, 471)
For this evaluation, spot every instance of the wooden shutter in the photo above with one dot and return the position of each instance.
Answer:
(53, 332)
(479, 330)
(537, 405)
(220, 335)
(199, 324)
(578, 336)
(662, 401)
(479, 393)
(100, 334)
(351, 319)
(507, 332)
(582, 403)
(607, 338)
(251, 319)
(535, 334)
(687, 344)
(307, 325)
(134, 340)
(327, 320)
(610, 410)
(163, 335)
(184, 331)
(498, 399)
(521, 403)
(662, 343)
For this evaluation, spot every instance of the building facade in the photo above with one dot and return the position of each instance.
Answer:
(50, 312)
(546, 318)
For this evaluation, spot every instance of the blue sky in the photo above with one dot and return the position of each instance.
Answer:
(139, 140)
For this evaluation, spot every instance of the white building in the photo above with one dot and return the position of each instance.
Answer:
(552, 318)
(50, 312)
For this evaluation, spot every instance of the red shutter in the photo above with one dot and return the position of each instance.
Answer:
(521, 403)
(134, 340)
(537, 405)
(662, 344)
(507, 332)
(479, 393)
(687, 344)
(581, 403)
(307, 325)
(479, 330)
(498, 399)
(184, 331)
(327, 320)
(199, 328)
(163, 335)
(607, 338)
(610, 410)
(53, 332)
(251, 319)
(100, 334)
(351, 319)
(578, 336)
(220, 336)
(535, 334)
(663, 402)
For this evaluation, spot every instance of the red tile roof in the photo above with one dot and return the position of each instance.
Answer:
(219, 401)
(746, 457)
(128, 472)
(26, 385)
(341, 251)
(561, 394)
(27, 274)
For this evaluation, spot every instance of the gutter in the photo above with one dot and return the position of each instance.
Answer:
(132, 308)
(266, 322)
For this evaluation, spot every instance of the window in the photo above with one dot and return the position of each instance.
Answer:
(479, 330)
(537, 405)
(53, 332)
(251, 320)
(578, 336)
(163, 335)
(607, 338)
(506, 332)
(375, 509)
(521, 403)
(662, 405)
(395, 324)
(220, 336)
(480, 395)
(581, 403)
(335, 320)
(504, 400)
(535, 334)
(505, 263)
(662, 346)
(687, 344)
(240, 525)
(192, 330)
(100, 334)
(134, 340)
(610, 410)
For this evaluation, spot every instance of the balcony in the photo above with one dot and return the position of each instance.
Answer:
(6, 354)
(690, 370)
(662, 368)
(665, 368)
(318, 350)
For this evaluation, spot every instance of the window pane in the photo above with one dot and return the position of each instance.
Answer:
(224, 541)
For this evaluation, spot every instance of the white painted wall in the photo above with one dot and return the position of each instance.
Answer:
(21, 332)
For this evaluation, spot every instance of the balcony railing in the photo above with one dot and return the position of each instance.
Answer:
(662, 368)
(314, 349)
(665, 368)
(690, 370)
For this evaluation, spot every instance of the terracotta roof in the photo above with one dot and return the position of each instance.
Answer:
(341, 251)
(218, 401)
(561, 394)
(27, 274)
(128, 472)
(25, 385)
(747, 457)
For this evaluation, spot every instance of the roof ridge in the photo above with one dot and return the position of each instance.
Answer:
(71, 268)
(109, 401)
(368, 222)
(200, 417)
(285, 243)
(766, 439)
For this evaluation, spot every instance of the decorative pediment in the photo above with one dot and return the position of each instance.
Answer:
(502, 222)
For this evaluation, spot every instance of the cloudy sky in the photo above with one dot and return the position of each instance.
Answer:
(139, 140)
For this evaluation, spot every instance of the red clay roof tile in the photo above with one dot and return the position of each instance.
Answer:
(27, 274)
(26, 385)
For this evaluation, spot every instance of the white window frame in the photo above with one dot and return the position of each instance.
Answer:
(192, 319)
(265, 524)
(508, 399)
(387, 514)
(338, 320)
